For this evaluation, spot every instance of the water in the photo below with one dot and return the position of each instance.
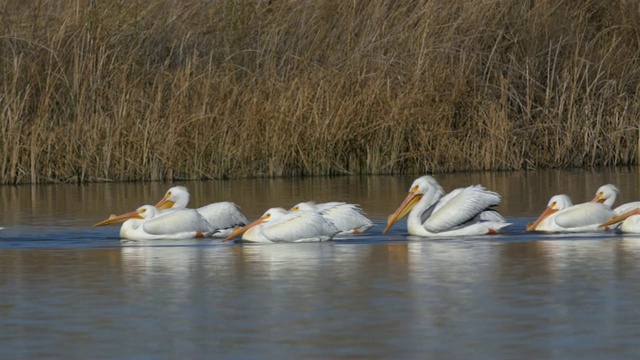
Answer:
(68, 290)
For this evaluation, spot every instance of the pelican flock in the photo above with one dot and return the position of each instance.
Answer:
(430, 212)
(171, 219)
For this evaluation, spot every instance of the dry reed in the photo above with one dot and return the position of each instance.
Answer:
(116, 91)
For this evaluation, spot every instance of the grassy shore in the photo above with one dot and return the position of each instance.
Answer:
(130, 90)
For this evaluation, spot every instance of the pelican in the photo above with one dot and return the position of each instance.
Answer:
(147, 223)
(279, 225)
(562, 216)
(464, 211)
(223, 216)
(348, 218)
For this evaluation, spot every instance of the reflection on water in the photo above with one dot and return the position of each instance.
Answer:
(500, 298)
(73, 291)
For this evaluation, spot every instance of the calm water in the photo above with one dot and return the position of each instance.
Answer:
(68, 290)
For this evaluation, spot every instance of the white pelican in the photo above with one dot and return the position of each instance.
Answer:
(348, 218)
(146, 223)
(464, 211)
(279, 225)
(562, 216)
(223, 216)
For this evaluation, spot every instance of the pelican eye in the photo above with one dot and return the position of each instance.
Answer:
(142, 211)
(296, 208)
(415, 189)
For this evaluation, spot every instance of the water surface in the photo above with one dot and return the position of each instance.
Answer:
(73, 291)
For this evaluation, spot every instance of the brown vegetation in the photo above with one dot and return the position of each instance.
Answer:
(132, 90)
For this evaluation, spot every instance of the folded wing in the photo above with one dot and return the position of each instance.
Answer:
(460, 206)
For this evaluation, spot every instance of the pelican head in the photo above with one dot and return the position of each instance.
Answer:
(418, 189)
(304, 206)
(177, 198)
(606, 194)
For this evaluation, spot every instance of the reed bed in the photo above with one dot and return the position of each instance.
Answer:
(130, 90)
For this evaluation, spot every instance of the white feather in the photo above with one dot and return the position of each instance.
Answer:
(624, 208)
(176, 222)
(631, 225)
(347, 218)
(466, 204)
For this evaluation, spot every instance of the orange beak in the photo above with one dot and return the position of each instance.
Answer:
(238, 231)
(114, 219)
(165, 203)
(409, 202)
(619, 218)
(598, 198)
(548, 211)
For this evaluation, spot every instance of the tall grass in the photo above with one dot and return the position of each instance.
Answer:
(129, 90)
